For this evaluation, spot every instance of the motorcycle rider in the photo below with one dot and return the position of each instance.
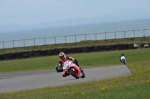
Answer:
(64, 58)
(122, 56)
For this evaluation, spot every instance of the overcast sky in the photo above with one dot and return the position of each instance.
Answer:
(26, 12)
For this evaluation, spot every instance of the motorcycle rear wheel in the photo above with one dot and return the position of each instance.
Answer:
(123, 61)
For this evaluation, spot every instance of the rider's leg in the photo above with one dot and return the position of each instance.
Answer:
(64, 74)
(120, 61)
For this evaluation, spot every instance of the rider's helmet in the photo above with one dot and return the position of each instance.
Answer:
(122, 54)
(62, 55)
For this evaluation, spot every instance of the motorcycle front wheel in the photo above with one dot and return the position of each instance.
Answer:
(74, 73)
(83, 75)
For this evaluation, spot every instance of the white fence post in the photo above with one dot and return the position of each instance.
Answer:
(105, 35)
(55, 39)
(13, 43)
(75, 38)
(144, 32)
(4, 45)
(134, 33)
(44, 41)
(115, 34)
(124, 34)
(96, 36)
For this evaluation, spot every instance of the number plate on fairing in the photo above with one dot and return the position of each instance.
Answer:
(66, 63)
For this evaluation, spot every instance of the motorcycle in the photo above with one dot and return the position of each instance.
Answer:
(123, 61)
(71, 69)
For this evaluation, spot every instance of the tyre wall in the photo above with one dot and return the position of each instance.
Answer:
(86, 49)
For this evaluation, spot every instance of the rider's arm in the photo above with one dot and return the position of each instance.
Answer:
(74, 60)
(70, 58)
(60, 63)
(59, 68)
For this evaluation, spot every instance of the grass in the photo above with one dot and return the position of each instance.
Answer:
(85, 60)
(135, 86)
(48, 62)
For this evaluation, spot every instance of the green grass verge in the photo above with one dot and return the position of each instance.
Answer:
(135, 86)
(85, 60)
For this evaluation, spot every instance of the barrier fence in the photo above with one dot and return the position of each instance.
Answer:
(74, 38)
(38, 53)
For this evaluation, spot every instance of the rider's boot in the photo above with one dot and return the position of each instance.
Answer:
(65, 74)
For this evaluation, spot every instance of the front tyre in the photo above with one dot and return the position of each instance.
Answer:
(83, 74)
(74, 73)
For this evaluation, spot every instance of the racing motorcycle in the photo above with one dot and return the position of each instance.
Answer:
(123, 61)
(71, 69)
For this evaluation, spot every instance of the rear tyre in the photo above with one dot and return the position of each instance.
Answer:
(123, 61)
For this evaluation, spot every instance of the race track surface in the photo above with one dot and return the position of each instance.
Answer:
(38, 79)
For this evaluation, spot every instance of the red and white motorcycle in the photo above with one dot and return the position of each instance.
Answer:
(72, 69)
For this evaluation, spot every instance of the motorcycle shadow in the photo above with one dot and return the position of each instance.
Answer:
(67, 79)
(70, 79)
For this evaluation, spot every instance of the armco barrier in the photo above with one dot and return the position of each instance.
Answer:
(37, 53)
(26, 55)
(61, 49)
(52, 51)
(49, 52)
(125, 46)
(19, 55)
(67, 50)
(91, 48)
(96, 48)
(73, 50)
(44, 53)
(13, 56)
(142, 45)
(31, 54)
(102, 48)
(7, 56)
(108, 47)
(2, 57)
(120, 47)
(79, 50)
(55, 52)
(86, 49)
(114, 47)
(130, 46)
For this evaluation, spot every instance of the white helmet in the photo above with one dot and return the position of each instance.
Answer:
(62, 55)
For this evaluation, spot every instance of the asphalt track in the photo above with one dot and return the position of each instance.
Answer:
(11, 82)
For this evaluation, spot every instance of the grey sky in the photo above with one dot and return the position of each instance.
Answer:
(27, 12)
